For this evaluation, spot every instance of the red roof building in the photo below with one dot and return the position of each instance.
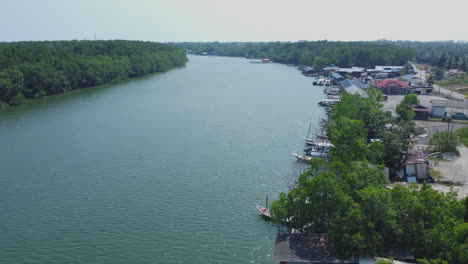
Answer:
(395, 87)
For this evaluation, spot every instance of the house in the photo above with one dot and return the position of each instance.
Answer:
(413, 79)
(336, 77)
(416, 165)
(266, 60)
(410, 77)
(391, 86)
(391, 71)
(381, 75)
(353, 71)
(354, 87)
(441, 107)
(422, 113)
(332, 68)
(307, 70)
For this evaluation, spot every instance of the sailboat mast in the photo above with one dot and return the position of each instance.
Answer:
(266, 202)
(308, 131)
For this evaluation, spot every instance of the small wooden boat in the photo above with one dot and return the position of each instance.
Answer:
(321, 136)
(264, 210)
(302, 158)
(317, 152)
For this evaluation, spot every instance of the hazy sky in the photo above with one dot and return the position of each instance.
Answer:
(234, 20)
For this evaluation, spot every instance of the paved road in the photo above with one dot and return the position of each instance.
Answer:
(447, 93)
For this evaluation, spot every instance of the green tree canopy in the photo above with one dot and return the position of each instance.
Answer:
(11, 83)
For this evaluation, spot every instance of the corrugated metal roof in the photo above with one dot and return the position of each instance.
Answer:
(356, 90)
(351, 70)
(449, 103)
(410, 77)
(359, 84)
(415, 156)
(337, 76)
(346, 83)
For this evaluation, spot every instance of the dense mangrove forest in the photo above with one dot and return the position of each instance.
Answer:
(39, 68)
(314, 53)
(443, 54)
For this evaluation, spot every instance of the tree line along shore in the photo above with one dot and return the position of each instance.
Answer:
(318, 54)
(39, 68)
(348, 196)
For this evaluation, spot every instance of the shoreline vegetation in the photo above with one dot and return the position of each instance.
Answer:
(314, 53)
(40, 68)
(348, 196)
(318, 54)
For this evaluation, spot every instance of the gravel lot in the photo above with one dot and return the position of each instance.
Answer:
(432, 127)
(455, 170)
(394, 100)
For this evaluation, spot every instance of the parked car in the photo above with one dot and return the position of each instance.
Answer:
(460, 116)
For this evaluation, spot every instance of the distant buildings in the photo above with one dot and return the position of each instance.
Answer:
(378, 71)
(395, 87)
(354, 87)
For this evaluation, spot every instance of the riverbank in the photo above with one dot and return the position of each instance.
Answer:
(31, 102)
(348, 201)
(40, 68)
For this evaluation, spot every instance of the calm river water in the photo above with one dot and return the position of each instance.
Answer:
(163, 169)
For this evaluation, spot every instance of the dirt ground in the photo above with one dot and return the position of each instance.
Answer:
(394, 100)
(431, 127)
(455, 170)
(462, 191)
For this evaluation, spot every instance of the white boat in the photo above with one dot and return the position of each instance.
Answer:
(302, 158)
(265, 211)
(319, 154)
(320, 144)
(322, 135)
(328, 102)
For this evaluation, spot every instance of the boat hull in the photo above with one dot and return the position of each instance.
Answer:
(264, 211)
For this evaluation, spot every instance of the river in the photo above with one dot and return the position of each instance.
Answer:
(163, 169)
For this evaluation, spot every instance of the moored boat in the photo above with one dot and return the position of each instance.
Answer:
(321, 136)
(265, 211)
(329, 102)
(302, 158)
(320, 144)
